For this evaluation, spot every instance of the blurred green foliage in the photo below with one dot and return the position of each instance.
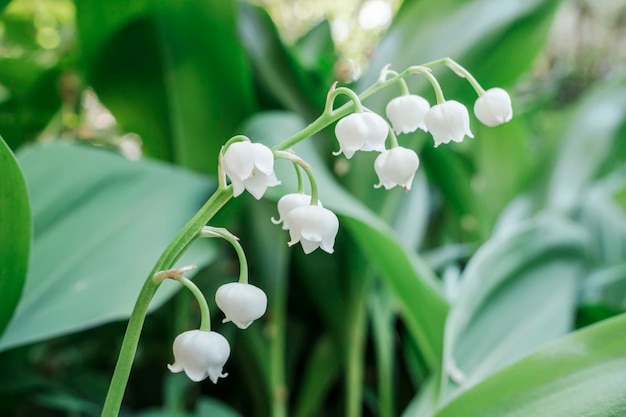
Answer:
(454, 299)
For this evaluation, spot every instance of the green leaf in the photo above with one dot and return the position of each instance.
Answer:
(207, 78)
(15, 234)
(210, 407)
(583, 374)
(321, 371)
(411, 281)
(427, 30)
(517, 293)
(100, 223)
(278, 70)
(588, 140)
(174, 73)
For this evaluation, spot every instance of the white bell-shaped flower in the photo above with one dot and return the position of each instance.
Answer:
(494, 107)
(200, 354)
(289, 202)
(361, 132)
(241, 303)
(396, 166)
(448, 121)
(250, 166)
(407, 113)
(314, 227)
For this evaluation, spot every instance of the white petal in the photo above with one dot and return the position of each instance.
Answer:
(238, 187)
(239, 160)
(308, 246)
(494, 107)
(263, 158)
(241, 303)
(407, 113)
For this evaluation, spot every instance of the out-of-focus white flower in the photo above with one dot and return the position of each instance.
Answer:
(314, 227)
(448, 121)
(250, 166)
(241, 303)
(494, 107)
(407, 113)
(200, 354)
(396, 166)
(361, 132)
(289, 202)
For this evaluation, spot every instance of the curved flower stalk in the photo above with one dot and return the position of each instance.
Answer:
(241, 303)
(493, 108)
(200, 354)
(249, 166)
(397, 166)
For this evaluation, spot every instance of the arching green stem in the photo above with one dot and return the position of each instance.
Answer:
(404, 88)
(330, 100)
(210, 231)
(299, 177)
(307, 170)
(205, 314)
(460, 71)
(433, 81)
(172, 253)
(393, 139)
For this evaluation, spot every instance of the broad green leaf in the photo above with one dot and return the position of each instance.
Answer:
(15, 234)
(474, 31)
(315, 51)
(278, 70)
(100, 224)
(207, 78)
(518, 292)
(588, 139)
(605, 219)
(582, 374)
(174, 73)
(412, 283)
(210, 407)
(322, 369)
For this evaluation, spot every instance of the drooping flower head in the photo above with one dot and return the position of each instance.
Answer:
(361, 132)
(314, 227)
(250, 166)
(407, 113)
(289, 202)
(494, 107)
(447, 122)
(200, 354)
(241, 303)
(396, 166)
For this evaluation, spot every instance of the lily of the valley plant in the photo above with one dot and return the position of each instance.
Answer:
(202, 353)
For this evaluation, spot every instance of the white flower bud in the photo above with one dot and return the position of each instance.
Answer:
(448, 121)
(313, 227)
(396, 166)
(289, 202)
(407, 113)
(494, 107)
(241, 303)
(250, 166)
(361, 132)
(200, 354)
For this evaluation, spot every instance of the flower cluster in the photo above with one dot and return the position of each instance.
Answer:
(250, 167)
(447, 121)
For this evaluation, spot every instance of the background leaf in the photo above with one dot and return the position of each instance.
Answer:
(582, 374)
(518, 292)
(100, 224)
(15, 234)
